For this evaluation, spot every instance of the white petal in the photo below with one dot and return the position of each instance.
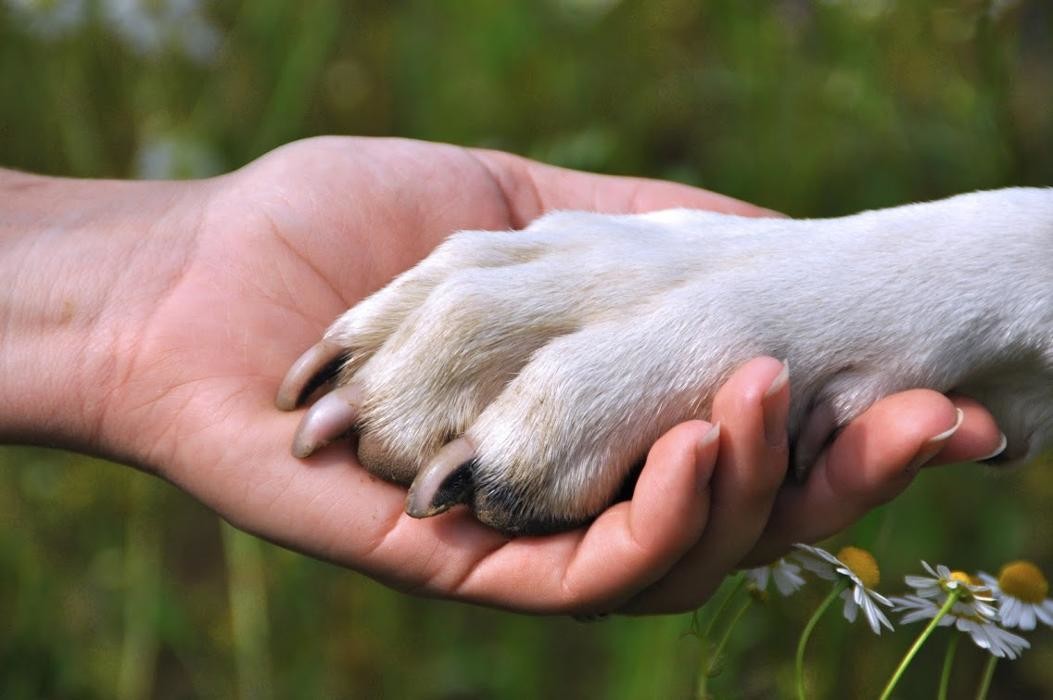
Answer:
(874, 616)
(915, 615)
(880, 598)
(919, 609)
(980, 593)
(900, 602)
(851, 608)
(1044, 611)
(828, 556)
(819, 553)
(758, 577)
(1027, 616)
(909, 601)
(984, 610)
(1014, 644)
(924, 586)
(973, 630)
(811, 560)
(849, 574)
(1003, 643)
(919, 581)
(1009, 612)
(787, 576)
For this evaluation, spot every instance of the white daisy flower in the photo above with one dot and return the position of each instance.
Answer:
(149, 27)
(174, 156)
(785, 574)
(49, 19)
(1021, 590)
(974, 597)
(984, 632)
(857, 567)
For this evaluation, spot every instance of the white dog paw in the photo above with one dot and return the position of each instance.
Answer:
(527, 373)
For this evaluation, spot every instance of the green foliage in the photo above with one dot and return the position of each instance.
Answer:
(112, 584)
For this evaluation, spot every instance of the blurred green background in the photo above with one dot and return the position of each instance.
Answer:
(115, 585)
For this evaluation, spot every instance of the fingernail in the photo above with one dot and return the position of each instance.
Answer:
(1002, 444)
(934, 444)
(704, 467)
(776, 407)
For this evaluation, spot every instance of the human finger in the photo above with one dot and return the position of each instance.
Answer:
(531, 189)
(752, 409)
(871, 461)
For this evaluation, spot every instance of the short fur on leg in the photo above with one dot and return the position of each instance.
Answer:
(562, 351)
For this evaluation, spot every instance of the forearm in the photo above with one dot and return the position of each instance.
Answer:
(69, 253)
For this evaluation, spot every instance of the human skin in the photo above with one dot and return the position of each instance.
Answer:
(151, 323)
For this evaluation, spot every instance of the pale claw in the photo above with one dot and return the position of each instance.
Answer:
(331, 417)
(307, 373)
(445, 482)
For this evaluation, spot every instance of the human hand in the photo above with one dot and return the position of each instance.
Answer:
(192, 299)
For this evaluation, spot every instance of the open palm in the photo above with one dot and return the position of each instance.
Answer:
(281, 247)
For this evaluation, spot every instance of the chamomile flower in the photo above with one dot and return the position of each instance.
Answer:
(1021, 590)
(857, 569)
(150, 27)
(984, 632)
(946, 598)
(785, 574)
(974, 598)
(49, 19)
(171, 155)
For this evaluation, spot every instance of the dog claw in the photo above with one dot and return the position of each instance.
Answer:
(445, 482)
(309, 371)
(334, 415)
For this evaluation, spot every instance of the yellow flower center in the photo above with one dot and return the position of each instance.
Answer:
(965, 580)
(861, 563)
(1023, 581)
(983, 590)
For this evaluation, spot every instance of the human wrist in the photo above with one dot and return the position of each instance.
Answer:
(71, 256)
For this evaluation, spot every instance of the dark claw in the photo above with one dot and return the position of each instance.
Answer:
(313, 368)
(445, 482)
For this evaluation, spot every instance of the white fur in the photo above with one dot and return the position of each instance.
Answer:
(564, 350)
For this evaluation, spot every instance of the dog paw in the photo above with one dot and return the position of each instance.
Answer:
(527, 373)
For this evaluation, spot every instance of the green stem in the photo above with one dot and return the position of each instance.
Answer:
(807, 632)
(247, 590)
(948, 662)
(723, 605)
(985, 681)
(727, 633)
(143, 569)
(952, 598)
(706, 661)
